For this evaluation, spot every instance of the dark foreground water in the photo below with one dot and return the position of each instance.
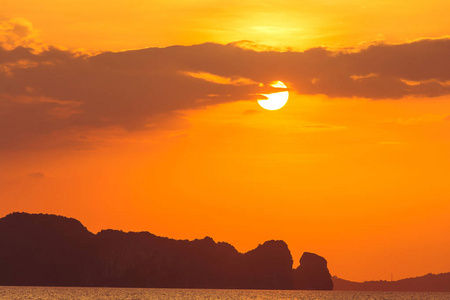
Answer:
(44, 293)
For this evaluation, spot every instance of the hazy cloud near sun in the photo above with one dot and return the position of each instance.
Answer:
(53, 91)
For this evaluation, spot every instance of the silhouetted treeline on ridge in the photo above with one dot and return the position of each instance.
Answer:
(50, 250)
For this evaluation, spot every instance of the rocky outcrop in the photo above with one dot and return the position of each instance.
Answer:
(312, 274)
(267, 266)
(39, 249)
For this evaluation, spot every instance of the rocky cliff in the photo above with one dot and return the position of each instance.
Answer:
(40, 249)
(312, 273)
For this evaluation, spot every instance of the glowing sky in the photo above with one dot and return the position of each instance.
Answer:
(171, 140)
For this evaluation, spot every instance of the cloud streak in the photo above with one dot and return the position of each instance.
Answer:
(54, 90)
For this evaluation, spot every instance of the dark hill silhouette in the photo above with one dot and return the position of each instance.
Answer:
(312, 273)
(45, 249)
(270, 264)
(41, 249)
(426, 283)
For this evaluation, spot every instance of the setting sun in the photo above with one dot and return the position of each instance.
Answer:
(275, 101)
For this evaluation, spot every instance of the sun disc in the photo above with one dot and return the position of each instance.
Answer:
(275, 101)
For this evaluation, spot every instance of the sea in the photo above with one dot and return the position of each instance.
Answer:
(44, 293)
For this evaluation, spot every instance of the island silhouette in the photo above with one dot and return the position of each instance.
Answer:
(50, 250)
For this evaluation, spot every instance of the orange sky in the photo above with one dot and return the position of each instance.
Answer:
(134, 24)
(353, 168)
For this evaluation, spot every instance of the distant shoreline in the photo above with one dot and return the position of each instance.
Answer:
(426, 283)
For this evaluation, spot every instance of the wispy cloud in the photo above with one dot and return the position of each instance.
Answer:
(36, 175)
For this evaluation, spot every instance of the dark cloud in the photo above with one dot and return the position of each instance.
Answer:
(37, 175)
(57, 90)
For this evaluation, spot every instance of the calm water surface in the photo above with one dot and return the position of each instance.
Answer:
(44, 293)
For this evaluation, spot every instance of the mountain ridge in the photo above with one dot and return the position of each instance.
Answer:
(47, 249)
(44, 249)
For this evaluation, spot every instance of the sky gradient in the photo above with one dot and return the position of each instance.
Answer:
(169, 138)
